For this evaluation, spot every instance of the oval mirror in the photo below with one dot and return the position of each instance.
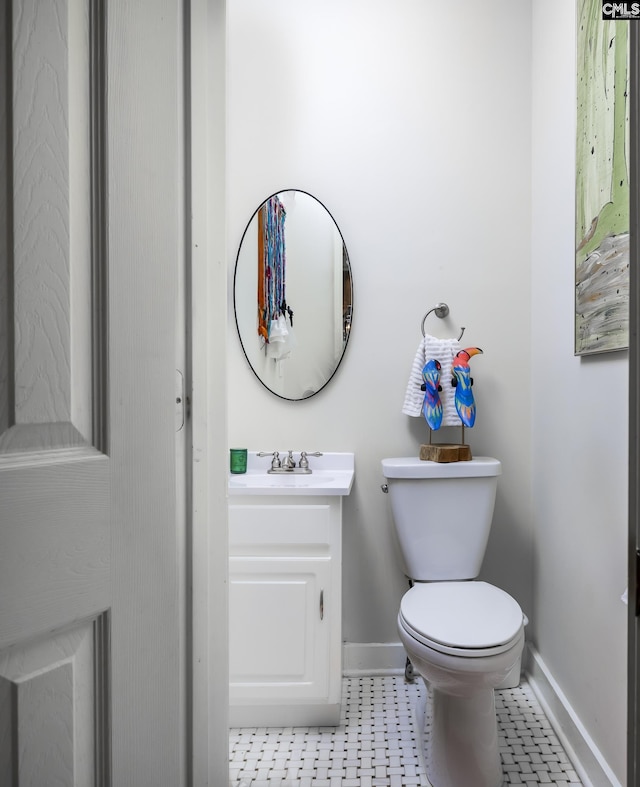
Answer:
(292, 294)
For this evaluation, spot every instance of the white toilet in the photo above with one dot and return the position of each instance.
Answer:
(463, 636)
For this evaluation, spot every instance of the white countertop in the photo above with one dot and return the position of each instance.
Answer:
(332, 474)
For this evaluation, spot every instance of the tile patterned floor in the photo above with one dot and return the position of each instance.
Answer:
(375, 743)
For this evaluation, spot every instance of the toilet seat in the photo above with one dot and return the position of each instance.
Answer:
(467, 619)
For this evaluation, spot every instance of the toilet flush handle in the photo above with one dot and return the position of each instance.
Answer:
(385, 488)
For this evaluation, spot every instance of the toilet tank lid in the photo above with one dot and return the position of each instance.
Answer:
(414, 467)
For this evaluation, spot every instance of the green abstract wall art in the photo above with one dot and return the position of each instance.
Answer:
(602, 182)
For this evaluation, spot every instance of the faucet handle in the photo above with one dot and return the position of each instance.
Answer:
(304, 462)
(276, 464)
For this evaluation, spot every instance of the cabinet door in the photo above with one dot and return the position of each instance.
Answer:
(279, 628)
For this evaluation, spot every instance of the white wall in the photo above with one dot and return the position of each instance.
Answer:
(579, 427)
(410, 121)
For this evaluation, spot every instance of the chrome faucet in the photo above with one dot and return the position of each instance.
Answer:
(288, 464)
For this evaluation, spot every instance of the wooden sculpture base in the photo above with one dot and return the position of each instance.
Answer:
(445, 452)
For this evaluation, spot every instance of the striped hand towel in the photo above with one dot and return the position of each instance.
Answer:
(442, 350)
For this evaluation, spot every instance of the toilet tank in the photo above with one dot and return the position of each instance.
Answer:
(442, 513)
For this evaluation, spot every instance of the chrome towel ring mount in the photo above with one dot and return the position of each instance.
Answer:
(441, 310)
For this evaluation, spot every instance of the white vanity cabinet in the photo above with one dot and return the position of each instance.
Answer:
(285, 607)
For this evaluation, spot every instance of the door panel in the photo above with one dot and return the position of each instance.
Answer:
(51, 269)
(51, 230)
(50, 699)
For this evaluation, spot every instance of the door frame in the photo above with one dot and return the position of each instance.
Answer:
(633, 676)
(205, 221)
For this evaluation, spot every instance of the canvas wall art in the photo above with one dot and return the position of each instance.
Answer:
(602, 182)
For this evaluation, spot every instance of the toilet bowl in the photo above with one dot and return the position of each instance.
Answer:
(463, 638)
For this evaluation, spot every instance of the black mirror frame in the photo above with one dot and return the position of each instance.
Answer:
(235, 309)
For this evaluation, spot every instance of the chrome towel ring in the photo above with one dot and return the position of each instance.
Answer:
(441, 310)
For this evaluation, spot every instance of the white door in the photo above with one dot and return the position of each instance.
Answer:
(91, 249)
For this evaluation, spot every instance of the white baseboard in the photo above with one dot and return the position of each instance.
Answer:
(585, 756)
(298, 715)
(373, 658)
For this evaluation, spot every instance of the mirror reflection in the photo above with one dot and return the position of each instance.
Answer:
(293, 294)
